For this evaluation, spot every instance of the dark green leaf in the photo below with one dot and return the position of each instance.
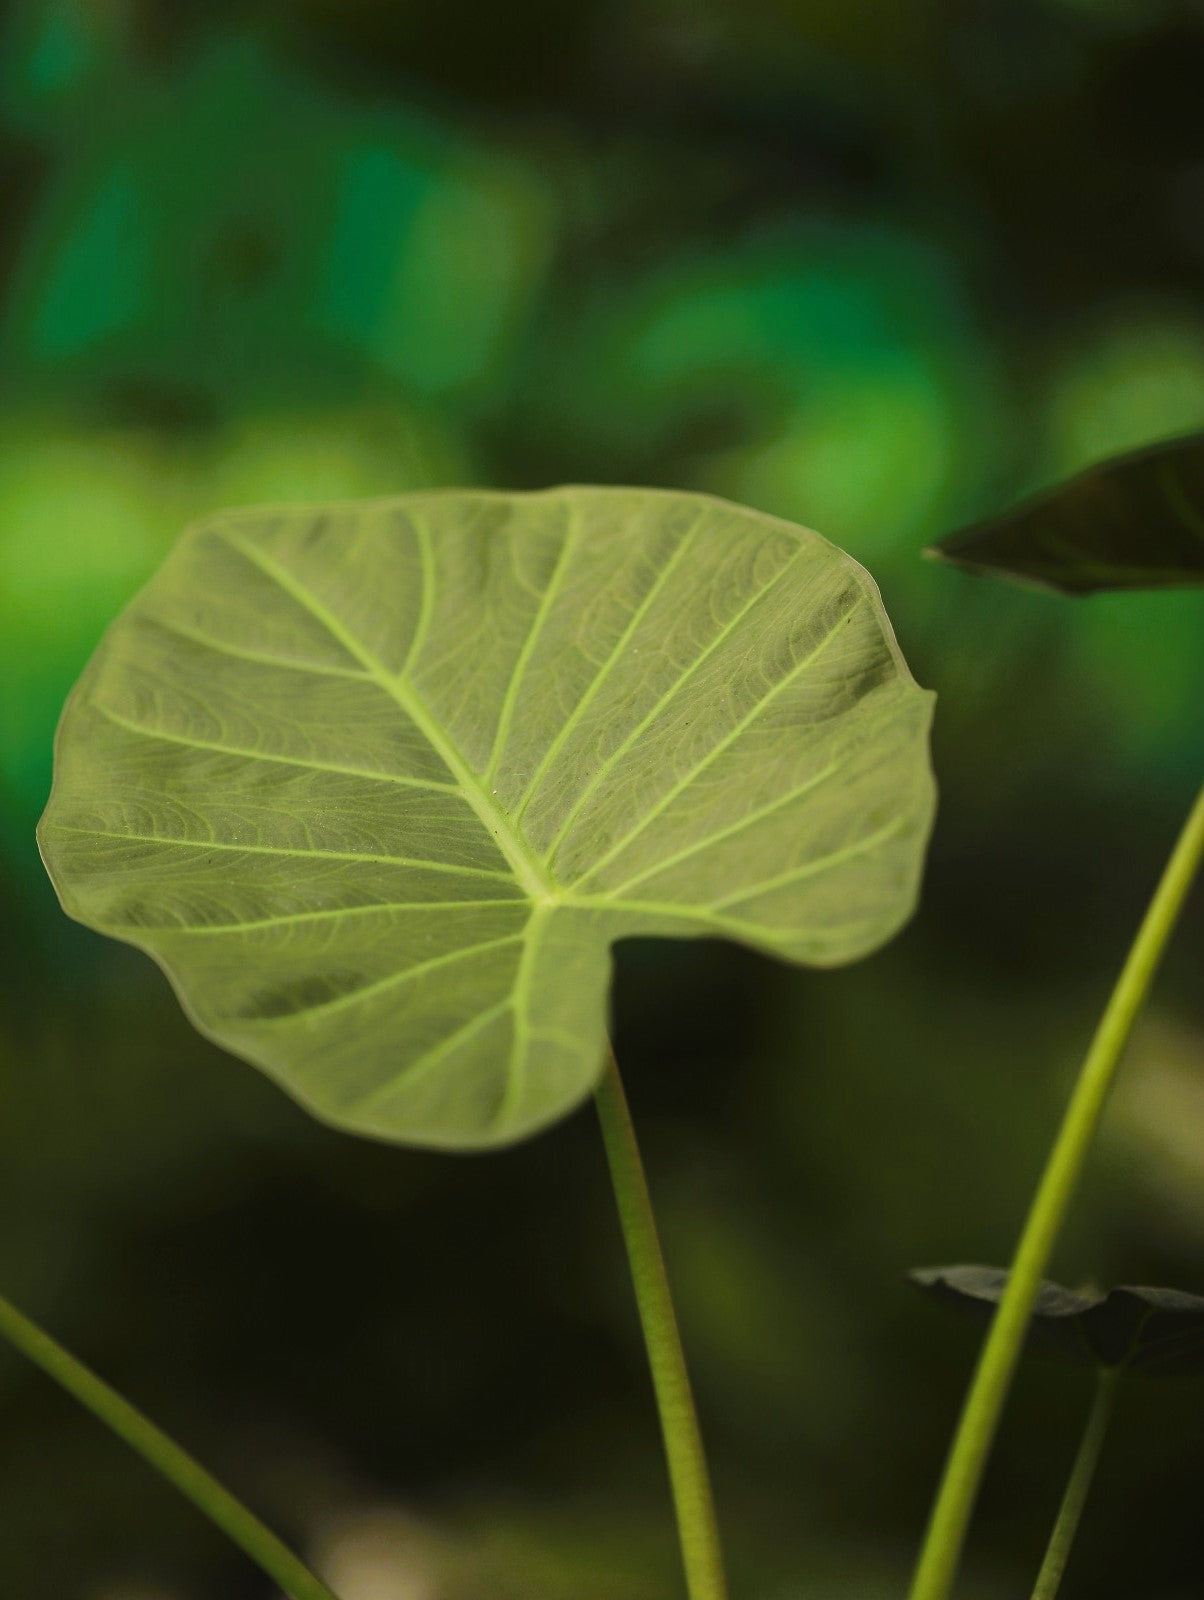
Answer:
(1134, 522)
(1151, 1330)
(379, 784)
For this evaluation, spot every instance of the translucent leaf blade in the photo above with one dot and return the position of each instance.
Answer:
(379, 785)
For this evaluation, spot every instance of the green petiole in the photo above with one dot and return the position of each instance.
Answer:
(1086, 1460)
(696, 1525)
(947, 1527)
(176, 1465)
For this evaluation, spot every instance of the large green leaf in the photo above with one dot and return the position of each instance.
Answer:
(378, 784)
(1134, 522)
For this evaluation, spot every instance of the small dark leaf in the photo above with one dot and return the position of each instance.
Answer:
(1133, 522)
(1159, 1331)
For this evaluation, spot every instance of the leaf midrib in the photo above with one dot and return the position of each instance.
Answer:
(540, 888)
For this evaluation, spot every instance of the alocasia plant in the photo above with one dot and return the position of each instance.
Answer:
(379, 785)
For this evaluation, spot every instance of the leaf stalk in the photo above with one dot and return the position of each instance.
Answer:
(688, 1476)
(954, 1504)
(176, 1465)
(1057, 1552)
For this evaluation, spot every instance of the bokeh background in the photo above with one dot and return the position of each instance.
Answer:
(878, 267)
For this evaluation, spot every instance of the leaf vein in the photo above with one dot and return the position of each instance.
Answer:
(725, 633)
(223, 647)
(258, 924)
(728, 739)
(192, 743)
(811, 869)
(549, 756)
(430, 1058)
(389, 981)
(733, 828)
(520, 1000)
(283, 850)
(506, 715)
(426, 603)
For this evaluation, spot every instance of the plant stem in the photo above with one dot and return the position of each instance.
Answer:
(976, 1430)
(696, 1525)
(263, 1547)
(1079, 1482)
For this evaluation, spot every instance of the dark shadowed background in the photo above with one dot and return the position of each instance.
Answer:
(875, 267)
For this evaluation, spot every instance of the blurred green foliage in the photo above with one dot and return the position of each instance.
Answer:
(880, 268)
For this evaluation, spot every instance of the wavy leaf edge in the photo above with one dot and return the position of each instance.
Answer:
(567, 1045)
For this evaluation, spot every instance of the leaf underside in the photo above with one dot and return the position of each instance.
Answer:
(379, 784)
(1157, 1331)
(1133, 522)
